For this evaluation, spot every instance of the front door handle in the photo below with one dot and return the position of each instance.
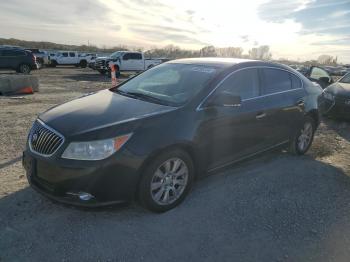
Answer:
(260, 115)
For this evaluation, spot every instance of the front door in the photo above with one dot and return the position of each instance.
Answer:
(228, 133)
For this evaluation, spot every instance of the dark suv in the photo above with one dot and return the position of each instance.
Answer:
(17, 59)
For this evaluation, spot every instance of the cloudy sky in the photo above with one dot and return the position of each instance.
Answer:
(295, 29)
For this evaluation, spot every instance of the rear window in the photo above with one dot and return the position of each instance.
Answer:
(72, 54)
(275, 81)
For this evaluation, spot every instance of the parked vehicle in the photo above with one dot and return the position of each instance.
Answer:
(336, 98)
(18, 59)
(69, 58)
(42, 58)
(153, 135)
(319, 75)
(125, 61)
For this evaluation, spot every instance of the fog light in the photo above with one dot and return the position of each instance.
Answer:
(85, 196)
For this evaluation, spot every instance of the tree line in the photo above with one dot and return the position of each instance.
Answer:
(170, 51)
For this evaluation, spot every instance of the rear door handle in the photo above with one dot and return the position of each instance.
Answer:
(260, 115)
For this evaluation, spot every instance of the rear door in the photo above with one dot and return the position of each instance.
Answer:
(229, 133)
(282, 102)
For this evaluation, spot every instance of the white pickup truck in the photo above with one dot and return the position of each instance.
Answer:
(125, 61)
(69, 58)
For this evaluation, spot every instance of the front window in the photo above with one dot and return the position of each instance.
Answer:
(345, 79)
(170, 84)
(116, 54)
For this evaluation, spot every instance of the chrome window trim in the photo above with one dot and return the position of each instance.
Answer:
(199, 107)
(49, 128)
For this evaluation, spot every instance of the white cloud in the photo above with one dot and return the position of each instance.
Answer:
(188, 24)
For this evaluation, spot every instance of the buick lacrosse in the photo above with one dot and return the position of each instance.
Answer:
(150, 138)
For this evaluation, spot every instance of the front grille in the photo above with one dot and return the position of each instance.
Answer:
(43, 139)
(100, 63)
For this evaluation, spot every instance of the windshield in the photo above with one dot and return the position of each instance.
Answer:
(172, 84)
(116, 54)
(345, 79)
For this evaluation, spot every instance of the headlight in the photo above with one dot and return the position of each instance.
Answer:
(328, 96)
(95, 150)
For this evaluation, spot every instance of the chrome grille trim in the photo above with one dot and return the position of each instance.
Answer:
(48, 139)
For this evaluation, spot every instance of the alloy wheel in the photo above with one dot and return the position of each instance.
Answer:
(305, 137)
(169, 181)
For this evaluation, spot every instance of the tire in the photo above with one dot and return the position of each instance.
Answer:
(53, 63)
(24, 69)
(102, 72)
(169, 174)
(303, 138)
(83, 64)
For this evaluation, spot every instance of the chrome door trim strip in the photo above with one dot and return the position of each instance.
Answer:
(199, 107)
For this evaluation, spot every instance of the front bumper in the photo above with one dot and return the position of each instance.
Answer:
(110, 181)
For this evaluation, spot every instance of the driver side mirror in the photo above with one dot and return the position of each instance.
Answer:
(224, 99)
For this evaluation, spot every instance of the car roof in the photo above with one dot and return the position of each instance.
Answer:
(230, 62)
(213, 61)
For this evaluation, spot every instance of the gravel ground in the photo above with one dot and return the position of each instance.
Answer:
(277, 207)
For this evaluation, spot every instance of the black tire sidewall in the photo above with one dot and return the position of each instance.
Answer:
(83, 64)
(144, 192)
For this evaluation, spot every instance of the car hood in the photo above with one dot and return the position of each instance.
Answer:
(339, 89)
(102, 58)
(98, 110)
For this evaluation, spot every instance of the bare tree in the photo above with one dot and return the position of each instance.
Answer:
(261, 53)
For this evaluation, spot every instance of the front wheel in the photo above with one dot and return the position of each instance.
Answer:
(302, 141)
(166, 181)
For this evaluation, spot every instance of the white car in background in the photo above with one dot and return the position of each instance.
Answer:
(125, 61)
(69, 58)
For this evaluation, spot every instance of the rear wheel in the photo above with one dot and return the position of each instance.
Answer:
(24, 69)
(166, 181)
(302, 141)
(53, 63)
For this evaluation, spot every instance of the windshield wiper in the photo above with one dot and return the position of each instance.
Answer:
(143, 96)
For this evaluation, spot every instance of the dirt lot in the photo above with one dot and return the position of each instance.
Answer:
(277, 207)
